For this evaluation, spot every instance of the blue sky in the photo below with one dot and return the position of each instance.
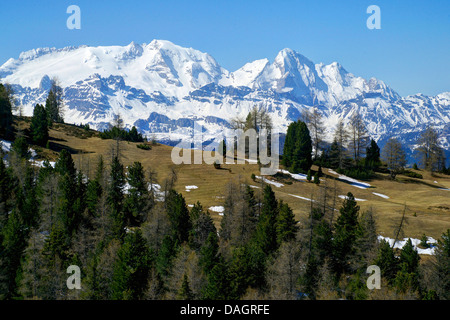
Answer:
(411, 51)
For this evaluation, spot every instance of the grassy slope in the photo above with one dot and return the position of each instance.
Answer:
(427, 207)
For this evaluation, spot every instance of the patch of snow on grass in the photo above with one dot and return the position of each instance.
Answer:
(356, 199)
(218, 209)
(415, 242)
(351, 181)
(276, 184)
(189, 188)
(381, 195)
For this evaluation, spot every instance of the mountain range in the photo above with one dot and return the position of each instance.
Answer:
(162, 88)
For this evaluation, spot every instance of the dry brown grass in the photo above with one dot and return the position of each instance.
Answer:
(427, 206)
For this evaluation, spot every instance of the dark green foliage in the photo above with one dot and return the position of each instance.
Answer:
(185, 292)
(137, 201)
(20, 146)
(411, 174)
(346, 228)
(131, 271)
(65, 165)
(316, 178)
(117, 133)
(407, 276)
(178, 216)
(166, 254)
(372, 160)
(6, 117)
(115, 197)
(286, 226)
(297, 148)
(53, 105)
(265, 234)
(144, 146)
(14, 242)
(39, 126)
(218, 286)
(202, 227)
(209, 252)
(386, 261)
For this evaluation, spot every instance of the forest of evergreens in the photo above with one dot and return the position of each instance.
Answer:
(131, 241)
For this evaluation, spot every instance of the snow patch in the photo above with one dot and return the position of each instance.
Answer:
(356, 199)
(218, 209)
(276, 184)
(381, 195)
(415, 242)
(189, 188)
(351, 181)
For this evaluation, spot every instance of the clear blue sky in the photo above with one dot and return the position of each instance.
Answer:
(411, 52)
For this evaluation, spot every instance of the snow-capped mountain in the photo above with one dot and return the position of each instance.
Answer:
(162, 88)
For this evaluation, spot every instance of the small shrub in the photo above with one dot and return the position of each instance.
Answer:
(253, 177)
(144, 146)
(412, 174)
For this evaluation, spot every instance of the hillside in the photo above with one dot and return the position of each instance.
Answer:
(427, 200)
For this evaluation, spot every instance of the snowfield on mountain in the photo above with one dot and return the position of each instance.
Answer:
(162, 88)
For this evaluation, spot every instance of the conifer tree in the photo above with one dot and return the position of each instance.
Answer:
(116, 196)
(185, 292)
(178, 216)
(218, 286)
(39, 126)
(346, 227)
(6, 117)
(20, 146)
(131, 271)
(209, 252)
(286, 226)
(137, 199)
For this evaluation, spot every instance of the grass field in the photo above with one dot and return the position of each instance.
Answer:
(427, 203)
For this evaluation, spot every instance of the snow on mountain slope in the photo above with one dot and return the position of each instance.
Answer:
(162, 88)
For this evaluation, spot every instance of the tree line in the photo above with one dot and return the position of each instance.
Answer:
(352, 151)
(134, 241)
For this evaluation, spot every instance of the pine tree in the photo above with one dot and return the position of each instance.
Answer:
(178, 216)
(39, 126)
(6, 117)
(386, 261)
(265, 233)
(346, 228)
(407, 277)
(373, 155)
(53, 104)
(116, 196)
(218, 286)
(185, 292)
(131, 271)
(316, 178)
(286, 226)
(137, 200)
(209, 252)
(20, 147)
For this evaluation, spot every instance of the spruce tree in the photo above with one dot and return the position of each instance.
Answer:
(178, 216)
(137, 199)
(39, 126)
(20, 147)
(218, 286)
(131, 271)
(6, 117)
(116, 196)
(286, 226)
(346, 228)
(185, 292)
